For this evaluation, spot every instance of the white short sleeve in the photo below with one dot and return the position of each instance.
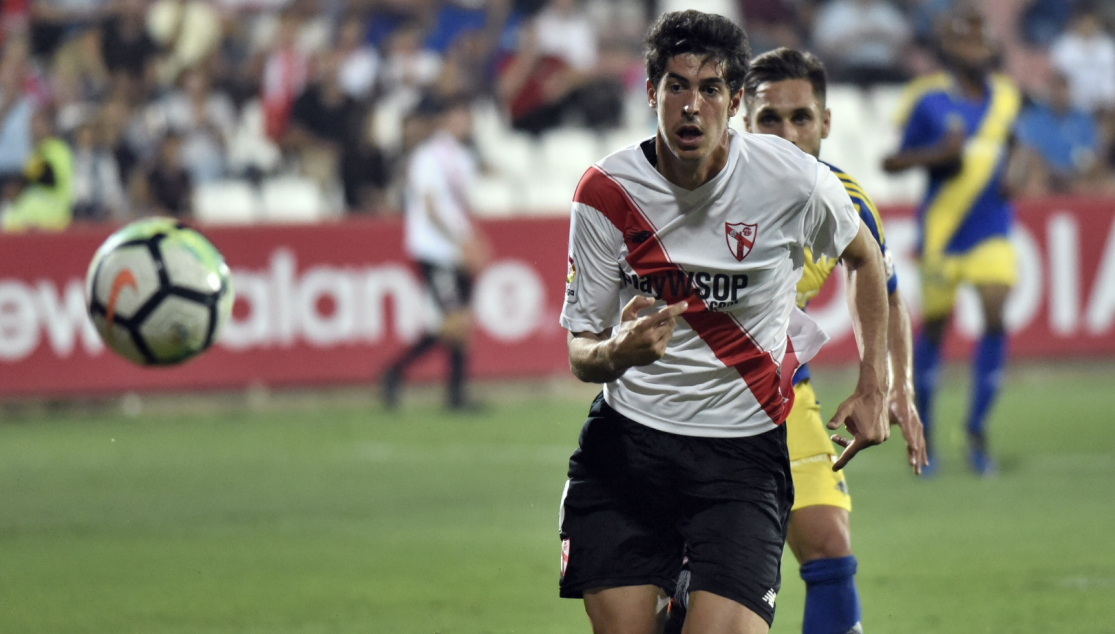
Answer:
(830, 219)
(593, 276)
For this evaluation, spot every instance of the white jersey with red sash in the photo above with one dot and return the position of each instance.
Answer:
(734, 248)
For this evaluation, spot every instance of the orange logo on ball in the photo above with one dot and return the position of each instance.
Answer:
(123, 279)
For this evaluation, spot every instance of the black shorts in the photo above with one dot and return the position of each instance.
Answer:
(637, 498)
(450, 287)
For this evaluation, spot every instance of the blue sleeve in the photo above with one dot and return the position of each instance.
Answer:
(1027, 129)
(926, 124)
(872, 222)
(1089, 133)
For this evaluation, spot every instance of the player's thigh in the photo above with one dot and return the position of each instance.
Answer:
(617, 525)
(939, 281)
(709, 612)
(626, 610)
(812, 454)
(992, 262)
(736, 507)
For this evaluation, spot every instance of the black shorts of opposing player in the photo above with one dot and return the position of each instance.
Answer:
(638, 497)
(451, 287)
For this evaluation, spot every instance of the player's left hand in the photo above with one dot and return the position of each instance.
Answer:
(900, 405)
(863, 414)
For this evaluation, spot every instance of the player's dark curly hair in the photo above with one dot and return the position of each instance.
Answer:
(709, 36)
(782, 64)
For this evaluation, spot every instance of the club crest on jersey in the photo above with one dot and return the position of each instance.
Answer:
(741, 237)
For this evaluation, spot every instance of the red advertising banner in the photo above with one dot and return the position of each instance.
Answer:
(332, 303)
(1063, 305)
(316, 304)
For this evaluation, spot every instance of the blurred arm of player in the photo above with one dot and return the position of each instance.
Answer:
(476, 250)
(900, 399)
(864, 412)
(949, 150)
(603, 357)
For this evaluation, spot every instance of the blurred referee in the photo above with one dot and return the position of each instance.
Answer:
(442, 240)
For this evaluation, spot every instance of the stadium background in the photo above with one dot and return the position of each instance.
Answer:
(262, 488)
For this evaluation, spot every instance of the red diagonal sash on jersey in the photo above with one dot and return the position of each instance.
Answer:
(728, 340)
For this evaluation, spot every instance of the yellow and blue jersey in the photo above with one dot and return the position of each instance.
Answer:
(964, 205)
(816, 273)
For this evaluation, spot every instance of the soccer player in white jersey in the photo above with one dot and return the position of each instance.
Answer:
(685, 251)
(443, 241)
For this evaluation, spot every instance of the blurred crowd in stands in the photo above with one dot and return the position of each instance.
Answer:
(150, 99)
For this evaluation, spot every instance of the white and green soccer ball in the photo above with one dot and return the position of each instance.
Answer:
(158, 292)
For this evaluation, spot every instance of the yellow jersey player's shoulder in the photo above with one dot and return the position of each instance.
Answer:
(1009, 90)
(916, 90)
(863, 203)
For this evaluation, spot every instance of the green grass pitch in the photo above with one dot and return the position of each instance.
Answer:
(336, 517)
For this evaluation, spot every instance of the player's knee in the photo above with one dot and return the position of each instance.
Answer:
(825, 533)
(827, 545)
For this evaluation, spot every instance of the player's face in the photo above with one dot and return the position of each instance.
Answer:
(790, 109)
(694, 103)
(967, 45)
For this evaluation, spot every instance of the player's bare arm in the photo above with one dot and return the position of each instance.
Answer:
(604, 357)
(949, 150)
(864, 412)
(900, 400)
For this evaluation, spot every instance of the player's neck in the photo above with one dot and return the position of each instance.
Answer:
(972, 86)
(691, 174)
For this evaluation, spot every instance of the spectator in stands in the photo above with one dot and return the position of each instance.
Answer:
(285, 72)
(1086, 55)
(112, 121)
(360, 63)
(771, 24)
(44, 196)
(53, 21)
(128, 51)
(327, 132)
(863, 41)
(164, 187)
(188, 30)
(553, 77)
(205, 120)
(1061, 145)
(1043, 20)
(410, 68)
(17, 107)
(98, 189)
(79, 69)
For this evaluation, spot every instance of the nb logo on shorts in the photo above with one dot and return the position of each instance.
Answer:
(769, 598)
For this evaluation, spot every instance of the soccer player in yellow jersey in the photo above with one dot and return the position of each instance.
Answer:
(784, 94)
(958, 125)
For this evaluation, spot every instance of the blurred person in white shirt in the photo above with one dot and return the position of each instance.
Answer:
(360, 64)
(443, 241)
(1086, 55)
(863, 41)
(206, 120)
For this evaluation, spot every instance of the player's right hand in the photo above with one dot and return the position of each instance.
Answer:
(643, 340)
(865, 415)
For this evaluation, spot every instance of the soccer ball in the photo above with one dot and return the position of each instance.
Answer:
(158, 292)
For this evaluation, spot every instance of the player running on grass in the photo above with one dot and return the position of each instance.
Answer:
(958, 126)
(703, 231)
(784, 95)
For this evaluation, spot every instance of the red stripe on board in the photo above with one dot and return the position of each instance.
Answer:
(648, 257)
